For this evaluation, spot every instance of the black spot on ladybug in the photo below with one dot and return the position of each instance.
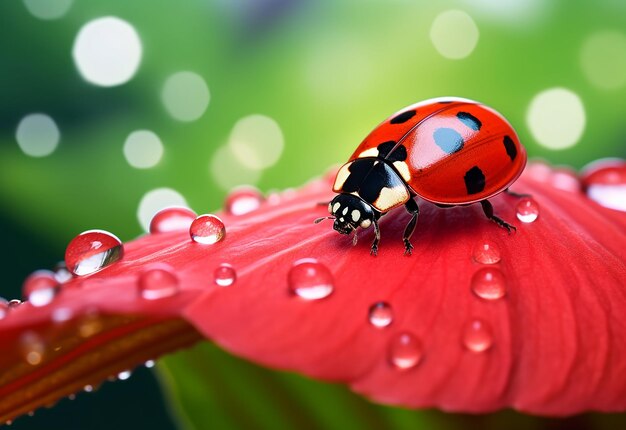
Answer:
(403, 117)
(389, 151)
(509, 145)
(449, 140)
(469, 120)
(385, 148)
(359, 169)
(474, 180)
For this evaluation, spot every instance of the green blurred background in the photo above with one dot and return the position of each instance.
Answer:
(104, 120)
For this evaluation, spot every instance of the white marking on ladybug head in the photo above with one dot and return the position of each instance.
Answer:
(345, 210)
(372, 152)
(366, 223)
(356, 215)
(403, 169)
(336, 207)
(341, 219)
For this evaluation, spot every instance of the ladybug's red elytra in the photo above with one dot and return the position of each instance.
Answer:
(449, 151)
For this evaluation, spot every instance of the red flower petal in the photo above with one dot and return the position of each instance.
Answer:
(475, 320)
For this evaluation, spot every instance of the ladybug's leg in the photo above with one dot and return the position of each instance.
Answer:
(374, 249)
(414, 210)
(488, 210)
(514, 194)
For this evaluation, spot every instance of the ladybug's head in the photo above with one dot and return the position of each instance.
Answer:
(350, 212)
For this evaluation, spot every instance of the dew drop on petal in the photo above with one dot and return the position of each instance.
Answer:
(486, 252)
(14, 303)
(565, 180)
(4, 308)
(225, 275)
(477, 336)
(122, 376)
(173, 218)
(310, 279)
(33, 348)
(61, 273)
(91, 251)
(40, 287)
(605, 183)
(207, 230)
(527, 210)
(158, 282)
(243, 200)
(489, 283)
(405, 351)
(380, 314)
(61, 315)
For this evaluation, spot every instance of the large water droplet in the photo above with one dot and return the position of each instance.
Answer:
(243, 200)
(489, 283)
(33, 348)
(174, 218)
(207, 229)
(310, 279)
(486, 252)
(4, 308)
(225, 275)
(380, 314)
(92, 251)
(405, 351)
(605, 183)
(477, 336)
(40, 287)
(527, 210)
(158, 282)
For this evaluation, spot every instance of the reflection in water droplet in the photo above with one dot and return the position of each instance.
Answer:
(33, 348)
(225, 275)
(4, 308)
(40, 287)
(486, 252)
(405, 351)
(527, 210)
(477, 336)
(489, 283)
(380, 314)
(173, 218)
(92, 251)
(243, 200)
(310, 279)
(122, 376)
(157, 282)
(207, 230)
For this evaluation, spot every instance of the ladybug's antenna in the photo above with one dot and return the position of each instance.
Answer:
(319, 220)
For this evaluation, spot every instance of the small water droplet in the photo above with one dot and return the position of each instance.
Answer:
(477, 336)
(33, 348)
(527, 210)
(174, 218)
(157, 282)
(61, 315)
(310, 279)
(225, 275)
(149, 364)
(88, 388)
(207, 230)
(122, 376)
(486, 252)
(72, 397)
(566, 180)
(40, 287)
(91, 251)
(489, 283)
(380, 314)
(61, 273)
(405, 351)
(243, 200)
(4, 308)
(14, 303)
(31, 413)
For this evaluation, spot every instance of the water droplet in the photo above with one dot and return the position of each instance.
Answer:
(40, 287)
(4, 308)
(207, 230)
(380, 314)
(566, 180)
(489, 283)
(14, 303)
(157, 282)
(605, 183)
(405, 351)
(310, 280)
(486, 252)
(527, 210)
(149, 364)
(225, 275)
(31, 413)
(33, 348)
(477, 336)
(61, 273)
(61, 315)
(174, 218)
(243, 200)
(122, 376)
(91, 251)
(88, 388)
(72, 397)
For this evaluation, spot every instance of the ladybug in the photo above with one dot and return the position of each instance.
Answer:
(448, 151)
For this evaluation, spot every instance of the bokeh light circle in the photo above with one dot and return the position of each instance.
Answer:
(107, 51)
(454, 34)
(185, 96)
(603, 59)
(257, 141)
(143, 149)
(155, 200)
(37, 135)
(228, 172)
(556, 118)
(48, 9)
